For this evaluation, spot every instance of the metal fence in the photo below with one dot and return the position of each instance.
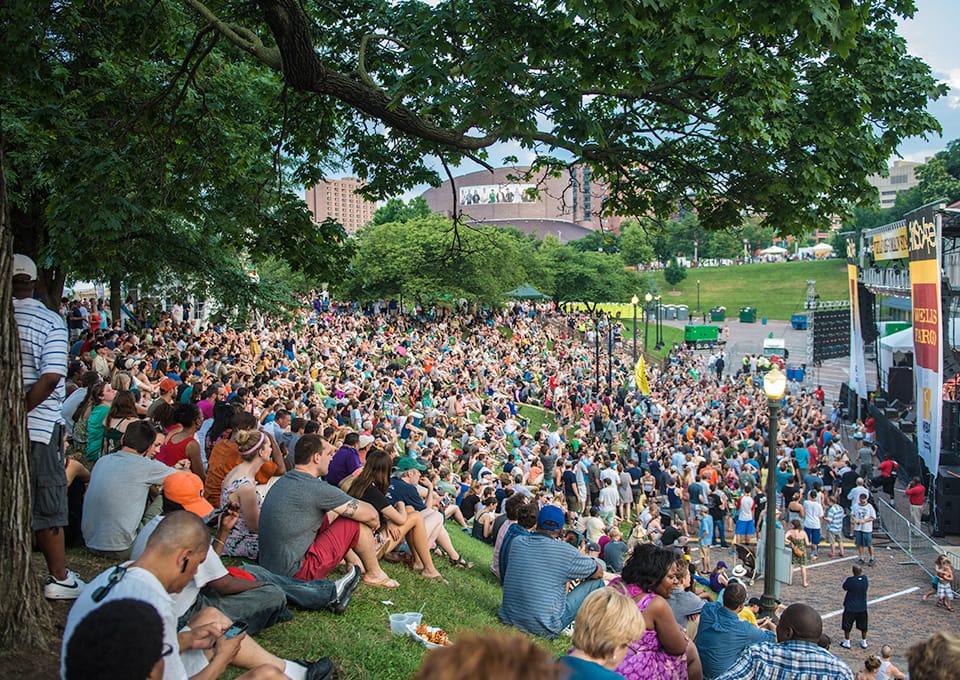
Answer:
(915, 544)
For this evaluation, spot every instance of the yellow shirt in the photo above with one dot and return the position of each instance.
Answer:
(747, 615)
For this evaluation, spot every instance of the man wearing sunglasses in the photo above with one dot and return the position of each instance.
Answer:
(171, 558)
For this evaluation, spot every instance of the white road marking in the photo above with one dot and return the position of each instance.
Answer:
(879, 599)
(823, 564)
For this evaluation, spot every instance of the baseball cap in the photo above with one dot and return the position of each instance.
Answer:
(365, 441)
(551, 518)
(186, 489)
(24, 266)
(408, 463)
(168, 385)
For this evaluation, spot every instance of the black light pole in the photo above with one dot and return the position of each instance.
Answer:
(635, 300)
(698, 295)
(609, 354)
(596, 343)
(648, 298)
(774, 384)
(659, 322)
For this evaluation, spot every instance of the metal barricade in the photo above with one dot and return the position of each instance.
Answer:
(920, 548)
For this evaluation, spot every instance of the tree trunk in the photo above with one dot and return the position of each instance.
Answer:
(24, 614)
(116, 297)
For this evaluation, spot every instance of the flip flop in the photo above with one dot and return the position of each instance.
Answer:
(385, 582)
(462, 563)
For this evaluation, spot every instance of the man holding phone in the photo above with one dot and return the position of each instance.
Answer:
(171, 558)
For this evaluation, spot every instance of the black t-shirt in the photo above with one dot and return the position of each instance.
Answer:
(713, 503)
(375, 497)
(468, 506)
(670, 535)
(569, 479)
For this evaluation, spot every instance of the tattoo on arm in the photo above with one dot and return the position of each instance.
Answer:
(351, 508)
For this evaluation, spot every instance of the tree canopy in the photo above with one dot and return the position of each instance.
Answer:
(778, 109)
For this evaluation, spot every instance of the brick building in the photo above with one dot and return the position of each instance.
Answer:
(337, 198)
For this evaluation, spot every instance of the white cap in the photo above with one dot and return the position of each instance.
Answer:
(24, 266)
(365, 441)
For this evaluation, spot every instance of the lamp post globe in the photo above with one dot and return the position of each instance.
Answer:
(648, 298)
(774, 385)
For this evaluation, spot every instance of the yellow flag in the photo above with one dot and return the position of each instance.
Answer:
(640, 373)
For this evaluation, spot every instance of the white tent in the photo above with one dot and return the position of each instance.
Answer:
(822, 247)
(899, 342)
(774, 250)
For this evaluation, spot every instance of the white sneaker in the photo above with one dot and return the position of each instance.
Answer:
(568, 631)
(67, 589)
(863, 643)
(845, 644)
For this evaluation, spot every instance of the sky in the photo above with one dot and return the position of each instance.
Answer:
(928, 36)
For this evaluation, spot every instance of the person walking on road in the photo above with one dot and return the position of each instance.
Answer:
(862, 516)
(855, 606)
(916, 494)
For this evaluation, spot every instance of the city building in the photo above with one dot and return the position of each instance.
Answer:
(900, 178)
(337, 199)
(568, 207)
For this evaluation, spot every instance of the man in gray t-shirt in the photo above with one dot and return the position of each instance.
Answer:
(296, 537)
(113, 507)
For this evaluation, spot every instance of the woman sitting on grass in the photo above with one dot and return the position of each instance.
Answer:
(396, 522)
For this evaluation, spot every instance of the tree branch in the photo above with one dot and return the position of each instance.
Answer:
(242, 37)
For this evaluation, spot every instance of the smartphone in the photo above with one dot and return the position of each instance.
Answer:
(235, 630)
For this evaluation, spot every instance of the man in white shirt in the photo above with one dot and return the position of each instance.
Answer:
(170, 560)
(862, 515)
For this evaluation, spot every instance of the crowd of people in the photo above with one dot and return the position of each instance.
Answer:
(345, 438)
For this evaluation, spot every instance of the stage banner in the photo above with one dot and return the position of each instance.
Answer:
(858, 370)
(923, 229)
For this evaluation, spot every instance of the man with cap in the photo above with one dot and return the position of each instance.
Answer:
(796, 653)
(535, 597)
(722, 635)
(43, 365)
(416, 492)
(349, 458)
(168, 390)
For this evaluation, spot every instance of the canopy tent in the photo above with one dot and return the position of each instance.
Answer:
(900, 342)
(527, 292)
(823, 247)
(774, 250)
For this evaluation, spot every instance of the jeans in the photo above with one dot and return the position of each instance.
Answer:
(260, 607)
(576, 597)
(718, 528)
(313, 595)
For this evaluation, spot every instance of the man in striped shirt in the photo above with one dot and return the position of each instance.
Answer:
(43, 363)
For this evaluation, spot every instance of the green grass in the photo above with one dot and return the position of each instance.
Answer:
(777, 290)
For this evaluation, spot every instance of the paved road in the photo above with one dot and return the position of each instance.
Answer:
(747, 338)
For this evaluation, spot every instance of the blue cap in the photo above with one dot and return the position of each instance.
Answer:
(551, 518)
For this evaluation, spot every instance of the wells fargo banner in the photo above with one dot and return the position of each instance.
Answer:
(923, 229)
(889, 243)
(858, 370)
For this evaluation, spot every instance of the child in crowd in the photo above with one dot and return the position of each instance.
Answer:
(944, 583)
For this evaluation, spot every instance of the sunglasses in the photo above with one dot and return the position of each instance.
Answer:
(114, 579)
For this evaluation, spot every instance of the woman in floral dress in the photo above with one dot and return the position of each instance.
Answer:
(664, 652)
(240, 488)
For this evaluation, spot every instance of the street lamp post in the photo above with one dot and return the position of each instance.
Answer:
(745, 244)
(634, 301)
(774, 384)
(609, 354)
(698, 295)
(648, 298)
(659, 326)
(596, 345)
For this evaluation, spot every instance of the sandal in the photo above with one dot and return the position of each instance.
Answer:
(385, 582)
(460, 562)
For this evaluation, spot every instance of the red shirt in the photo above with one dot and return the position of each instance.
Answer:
(916, 494)
(887, 467)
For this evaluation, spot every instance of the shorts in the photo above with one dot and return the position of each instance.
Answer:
(333, 541)
(851, 618)
(745, 527)
(834, 537)
(677, 514)
(944, 591)
(573, 503)
(48, 482)
(863, 539)
(813, 535)
(704, 553)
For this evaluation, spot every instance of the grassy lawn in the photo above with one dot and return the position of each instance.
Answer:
(360, 641)
(777, 290)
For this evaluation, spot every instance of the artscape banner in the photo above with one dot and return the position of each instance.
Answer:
(891, 243)
(923, 229)
(858, 369)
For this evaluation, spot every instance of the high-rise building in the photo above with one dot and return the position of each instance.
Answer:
(337, 199)
(900, 178)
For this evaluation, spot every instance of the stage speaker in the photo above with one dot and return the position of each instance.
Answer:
(950, 440)
(949, 487)
(900, 384)
(880, 403)
(907, 426)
